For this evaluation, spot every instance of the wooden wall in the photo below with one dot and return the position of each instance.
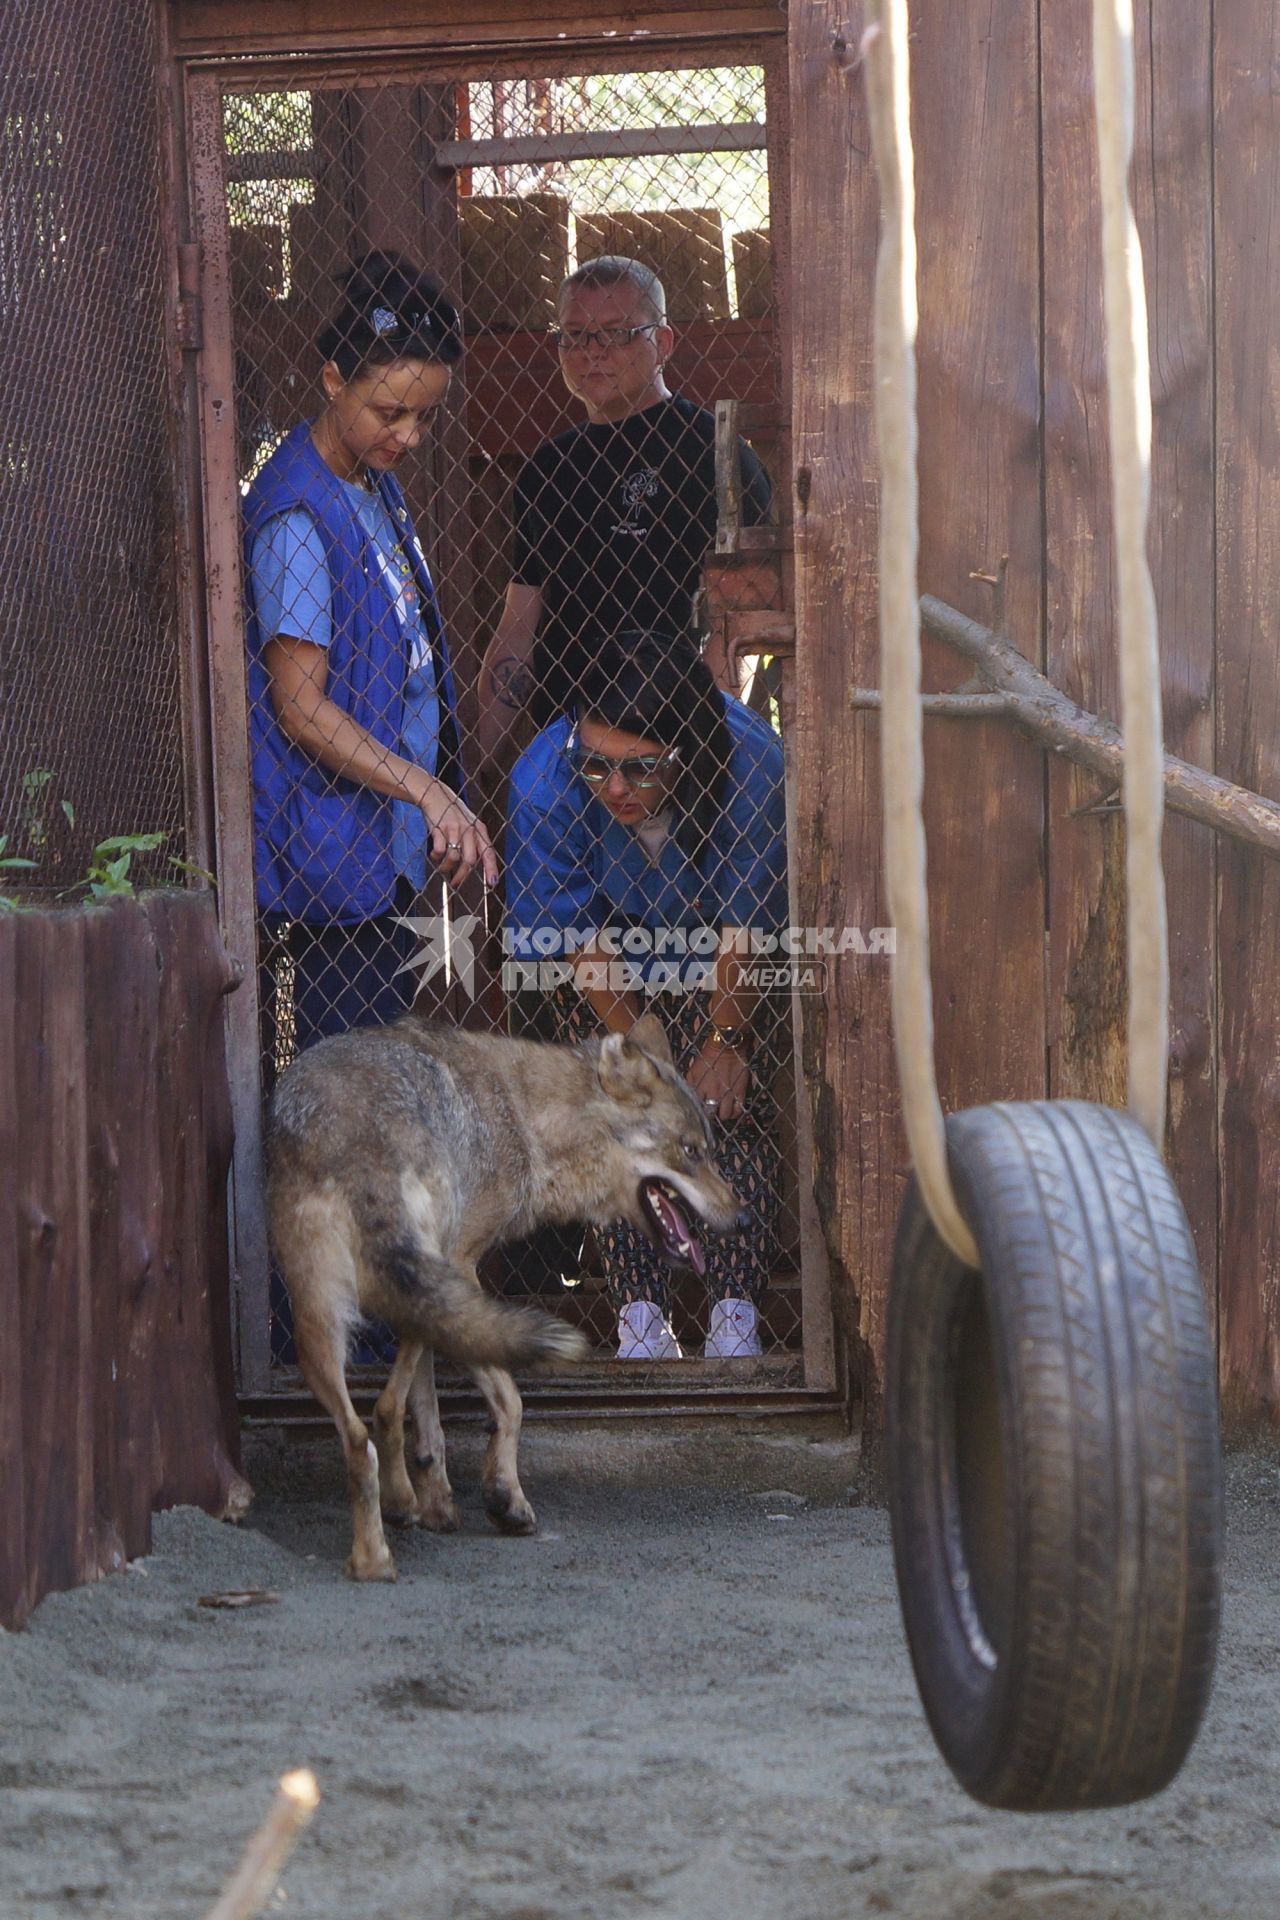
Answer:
(116, 1390)
(1025, 865)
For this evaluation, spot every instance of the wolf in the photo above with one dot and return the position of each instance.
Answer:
(397, 1157)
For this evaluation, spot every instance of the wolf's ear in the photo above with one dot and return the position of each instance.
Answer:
(649, 1034)
(626, 1073)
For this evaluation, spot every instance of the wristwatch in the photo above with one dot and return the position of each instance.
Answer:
(739, 1038)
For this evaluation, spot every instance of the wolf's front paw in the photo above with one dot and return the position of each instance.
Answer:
(398, 1500)
(372, 1566)
(509, 1510)
(437, 1512)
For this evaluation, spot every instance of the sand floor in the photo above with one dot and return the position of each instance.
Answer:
(682, 1698)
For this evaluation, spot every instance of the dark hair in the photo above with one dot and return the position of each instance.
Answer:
(658, 686)
(390, 311)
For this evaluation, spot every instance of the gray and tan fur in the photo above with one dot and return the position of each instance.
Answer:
(398, 1156)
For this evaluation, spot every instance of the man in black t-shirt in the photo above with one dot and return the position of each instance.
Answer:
(614, 518)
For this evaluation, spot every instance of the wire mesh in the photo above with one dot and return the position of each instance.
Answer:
(558, 491)
(90, 724)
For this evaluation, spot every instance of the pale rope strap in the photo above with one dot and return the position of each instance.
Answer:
(885, 47)
(901, 747)
(1129, 394)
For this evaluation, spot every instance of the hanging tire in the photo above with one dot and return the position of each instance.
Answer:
(1053, 1457)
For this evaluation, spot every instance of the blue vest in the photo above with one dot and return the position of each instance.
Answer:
(323, 844)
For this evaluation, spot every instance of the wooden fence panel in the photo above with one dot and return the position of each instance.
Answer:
(1247, 302)
(13, 1454)
(116, 1391)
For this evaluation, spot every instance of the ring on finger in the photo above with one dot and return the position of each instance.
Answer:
(453, 846)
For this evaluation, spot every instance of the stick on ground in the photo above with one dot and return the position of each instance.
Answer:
(250, 1886)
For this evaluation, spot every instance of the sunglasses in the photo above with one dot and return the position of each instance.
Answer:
(639, 770)
(606, 338)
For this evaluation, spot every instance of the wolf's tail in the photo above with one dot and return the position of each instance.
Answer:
(449, 1312)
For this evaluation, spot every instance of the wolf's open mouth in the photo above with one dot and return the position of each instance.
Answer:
(671, 1228)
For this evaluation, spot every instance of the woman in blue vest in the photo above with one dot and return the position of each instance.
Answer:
(357, 784)
(647, 844)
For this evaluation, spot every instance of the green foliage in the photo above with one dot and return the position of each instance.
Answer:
(267, 122)
(12, 863)
(109, 876)
(111, 872)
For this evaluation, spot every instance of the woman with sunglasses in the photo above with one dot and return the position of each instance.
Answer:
(647, 840)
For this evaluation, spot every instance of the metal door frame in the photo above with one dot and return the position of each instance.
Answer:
(205, 283)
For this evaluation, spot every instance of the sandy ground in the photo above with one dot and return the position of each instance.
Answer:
(680, 1699)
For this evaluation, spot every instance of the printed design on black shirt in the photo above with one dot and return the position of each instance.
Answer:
(638, 486)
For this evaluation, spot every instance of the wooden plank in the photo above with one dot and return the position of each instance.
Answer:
(979, 383)
(111, 1096)
(1246, 301)
(1086, 930)
(846, 1063)
(13, 1349)
(194, 1413)
(1173, 193)
(125, 1042)
(753, 273)
(212, 27)
(53, 1255)
(1086, 956)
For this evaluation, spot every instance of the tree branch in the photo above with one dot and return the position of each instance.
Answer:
(1036, 705)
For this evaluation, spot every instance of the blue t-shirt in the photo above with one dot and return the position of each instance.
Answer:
(572, 869)
(292, 595)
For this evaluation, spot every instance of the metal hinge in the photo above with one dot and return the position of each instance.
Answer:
(190, 312)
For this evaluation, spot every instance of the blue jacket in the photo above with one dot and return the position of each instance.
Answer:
(323, 844)
(572, 868)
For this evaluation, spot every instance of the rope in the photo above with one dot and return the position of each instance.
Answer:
(901, 730)
(885, 51)
(1129, 397)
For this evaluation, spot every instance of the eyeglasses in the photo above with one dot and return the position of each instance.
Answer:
(607, 339)
(640, 770)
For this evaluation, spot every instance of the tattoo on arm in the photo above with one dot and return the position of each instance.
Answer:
(513, 683)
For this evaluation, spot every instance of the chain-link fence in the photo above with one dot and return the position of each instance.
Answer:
(476, 564)
(90, 714)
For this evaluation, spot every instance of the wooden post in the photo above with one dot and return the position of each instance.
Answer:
(1246, 266)
(847, 1066)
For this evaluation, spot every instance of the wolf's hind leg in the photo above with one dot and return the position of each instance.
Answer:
(504, 1500)
(427, 1470)
(396, 1495)
(322, 1352)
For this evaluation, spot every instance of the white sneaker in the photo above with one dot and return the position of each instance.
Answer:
(734, 1333)
(644, 1333)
